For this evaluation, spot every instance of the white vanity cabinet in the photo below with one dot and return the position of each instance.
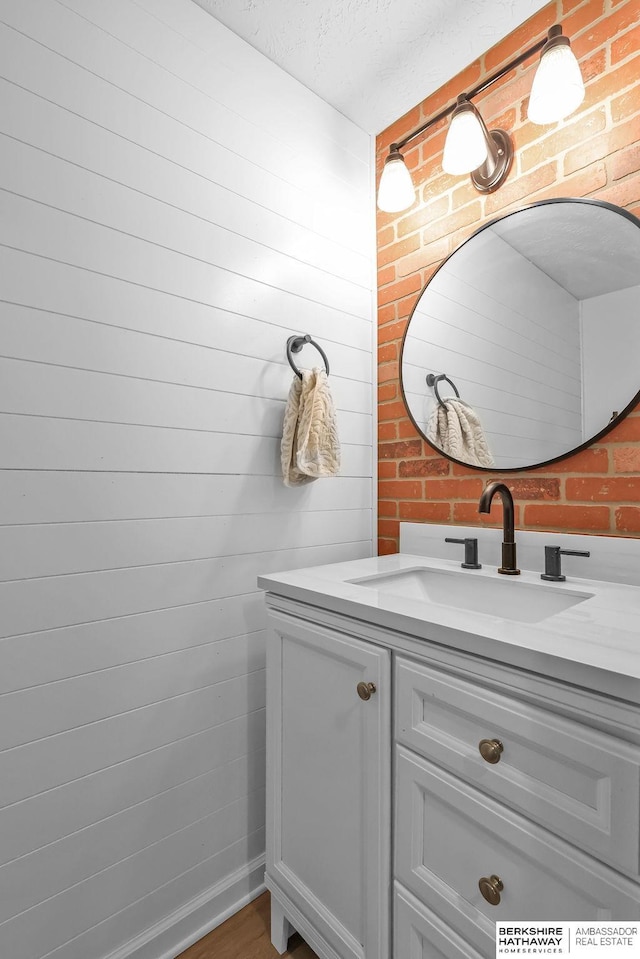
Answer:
(328, 789)
(505, 779)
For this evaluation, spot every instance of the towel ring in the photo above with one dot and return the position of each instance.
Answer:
(433, 380)
(295, 344)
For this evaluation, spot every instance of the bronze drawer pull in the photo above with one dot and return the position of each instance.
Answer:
(490, 750)
(366, 690)
(491, 888)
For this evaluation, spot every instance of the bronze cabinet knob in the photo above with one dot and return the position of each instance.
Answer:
(491, 888)
(490, 750)
(366, 690)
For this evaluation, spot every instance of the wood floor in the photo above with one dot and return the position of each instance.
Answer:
(246, 936)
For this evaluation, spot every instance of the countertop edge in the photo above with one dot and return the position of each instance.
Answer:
(601, 679)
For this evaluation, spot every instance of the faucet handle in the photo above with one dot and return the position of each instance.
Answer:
(470, 551)
(552, 570)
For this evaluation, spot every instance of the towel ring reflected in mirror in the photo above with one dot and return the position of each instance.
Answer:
(295, 344)
(433, 380)
(534, 317)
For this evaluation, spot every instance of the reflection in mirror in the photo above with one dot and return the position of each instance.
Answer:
(534, 320)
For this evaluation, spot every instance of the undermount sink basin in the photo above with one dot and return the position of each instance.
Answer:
(507, 598)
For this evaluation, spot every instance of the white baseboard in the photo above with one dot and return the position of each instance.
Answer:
(179, 930)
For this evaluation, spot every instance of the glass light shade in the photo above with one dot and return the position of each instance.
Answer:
(557, 88)
(465, 148)
(396, 191)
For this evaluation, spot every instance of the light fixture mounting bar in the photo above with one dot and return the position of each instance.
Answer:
(480, 88)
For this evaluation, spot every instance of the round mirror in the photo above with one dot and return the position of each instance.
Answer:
(523, 347)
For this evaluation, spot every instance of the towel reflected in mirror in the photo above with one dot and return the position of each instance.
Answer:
(455, 428)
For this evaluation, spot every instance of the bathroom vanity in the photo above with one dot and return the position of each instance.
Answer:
(448, 748)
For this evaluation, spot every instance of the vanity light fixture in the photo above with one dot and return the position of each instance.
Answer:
(465, 148)
(556, 92)
(471, 148)
(396, 191)
(557, 89)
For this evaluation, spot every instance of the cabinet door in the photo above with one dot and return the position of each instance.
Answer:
(328, 760)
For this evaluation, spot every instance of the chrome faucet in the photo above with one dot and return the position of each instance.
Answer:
(508, 535)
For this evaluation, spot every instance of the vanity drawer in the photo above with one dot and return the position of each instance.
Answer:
(582, 784)
(420, 934)
(449, 836)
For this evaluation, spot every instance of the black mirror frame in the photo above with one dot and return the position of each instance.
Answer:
(563, 456)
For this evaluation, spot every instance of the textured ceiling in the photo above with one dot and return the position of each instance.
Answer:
(372, 59)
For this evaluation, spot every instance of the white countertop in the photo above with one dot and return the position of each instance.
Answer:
(595, 644)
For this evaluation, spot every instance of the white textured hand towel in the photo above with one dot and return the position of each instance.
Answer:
(310, 447)
(456, 429)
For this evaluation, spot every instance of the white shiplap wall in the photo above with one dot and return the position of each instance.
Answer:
(172, 208)
(610, 336)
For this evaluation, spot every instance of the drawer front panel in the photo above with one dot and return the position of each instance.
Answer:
(420, 934)
(449, 836)
(581, 784)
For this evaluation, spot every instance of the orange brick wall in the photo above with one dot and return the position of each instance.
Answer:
(594, 153)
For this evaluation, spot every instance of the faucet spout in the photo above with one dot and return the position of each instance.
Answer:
(509, 566)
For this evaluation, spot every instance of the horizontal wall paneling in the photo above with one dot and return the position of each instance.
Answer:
(173, 207)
